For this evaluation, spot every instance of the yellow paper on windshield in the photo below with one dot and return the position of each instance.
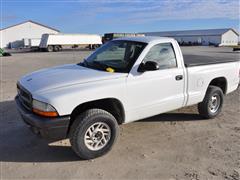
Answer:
(109, 69)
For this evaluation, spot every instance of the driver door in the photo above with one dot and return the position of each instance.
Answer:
(154, 92)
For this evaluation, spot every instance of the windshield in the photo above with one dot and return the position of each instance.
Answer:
(115, 56)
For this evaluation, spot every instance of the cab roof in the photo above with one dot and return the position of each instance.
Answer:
(145, 39)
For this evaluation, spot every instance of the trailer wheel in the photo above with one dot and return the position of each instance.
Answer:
(94, 46)
(56, 48)
(50, 48)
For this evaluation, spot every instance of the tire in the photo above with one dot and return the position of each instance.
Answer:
(80, 128)
(56, 48)
(90, 47)
(212, 103)
(50, 48)
(95, 46)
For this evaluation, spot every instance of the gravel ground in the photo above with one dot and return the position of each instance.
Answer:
(175, 145)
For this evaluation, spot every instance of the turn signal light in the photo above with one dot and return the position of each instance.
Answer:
(46, 114)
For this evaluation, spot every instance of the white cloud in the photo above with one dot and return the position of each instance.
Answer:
(197, 10)
(147, 11)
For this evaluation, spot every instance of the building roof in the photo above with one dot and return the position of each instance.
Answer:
(203, 32)
(145, 39)
(31, 22)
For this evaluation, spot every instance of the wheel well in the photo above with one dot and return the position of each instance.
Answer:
(220, 82)
(110, 105)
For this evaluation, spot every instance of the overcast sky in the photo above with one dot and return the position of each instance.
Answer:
(91, 16)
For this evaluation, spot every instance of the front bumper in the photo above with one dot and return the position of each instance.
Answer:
(51, 128)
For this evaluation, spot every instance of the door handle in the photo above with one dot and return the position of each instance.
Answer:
(179, 77)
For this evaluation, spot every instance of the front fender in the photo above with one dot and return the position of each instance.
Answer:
(66, 99)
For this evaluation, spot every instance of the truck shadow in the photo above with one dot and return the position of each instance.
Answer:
(19, 144)
(174, 117)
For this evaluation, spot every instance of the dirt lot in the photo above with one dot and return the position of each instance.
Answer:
(176, 145)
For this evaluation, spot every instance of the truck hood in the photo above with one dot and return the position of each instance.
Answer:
(62, 76)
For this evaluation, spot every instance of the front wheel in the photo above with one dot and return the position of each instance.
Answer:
(93, 133)
(212, 103)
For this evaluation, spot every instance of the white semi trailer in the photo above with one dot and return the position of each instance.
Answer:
(55, 42)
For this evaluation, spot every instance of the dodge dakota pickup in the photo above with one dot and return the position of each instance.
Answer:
(124, 80)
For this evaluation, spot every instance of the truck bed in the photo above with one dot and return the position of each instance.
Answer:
(197, 56)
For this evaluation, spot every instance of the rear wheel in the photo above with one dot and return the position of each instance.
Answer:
(90, 46)
(56, 48)
(93, 133)
(50, 48)
(94, 46)
(211, 105)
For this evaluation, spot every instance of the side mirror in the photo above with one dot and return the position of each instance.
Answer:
(148, 66)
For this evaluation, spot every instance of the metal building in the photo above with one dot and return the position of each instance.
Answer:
(219, 37)
(13, 36)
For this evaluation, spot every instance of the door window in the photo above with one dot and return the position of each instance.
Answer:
(163, 54)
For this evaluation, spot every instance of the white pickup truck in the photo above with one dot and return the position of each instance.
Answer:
(125, 80)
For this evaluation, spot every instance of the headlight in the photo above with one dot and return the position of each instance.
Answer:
(44, 109)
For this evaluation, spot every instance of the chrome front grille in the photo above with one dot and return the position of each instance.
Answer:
(25, 97)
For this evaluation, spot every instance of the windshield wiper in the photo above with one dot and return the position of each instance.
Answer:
(94, 64)
(100, 65)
